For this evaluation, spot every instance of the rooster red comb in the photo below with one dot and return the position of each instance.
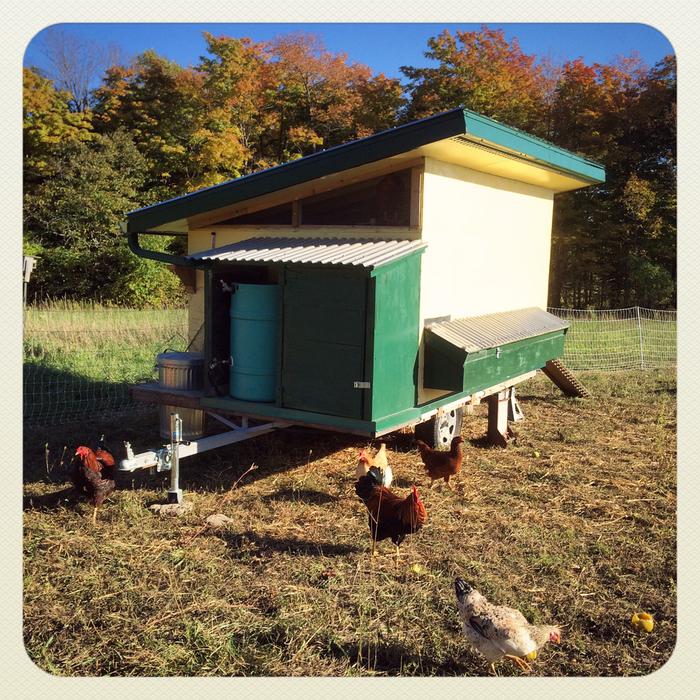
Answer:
(82, 451)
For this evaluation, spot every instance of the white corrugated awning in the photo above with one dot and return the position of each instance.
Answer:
(367, 253)
(491, 330)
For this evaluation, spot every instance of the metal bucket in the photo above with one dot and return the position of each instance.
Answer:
(254, 348)
(181, 370)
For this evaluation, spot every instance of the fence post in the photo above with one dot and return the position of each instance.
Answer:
(641, 340)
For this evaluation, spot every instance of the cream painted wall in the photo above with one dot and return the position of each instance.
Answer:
(488, 245)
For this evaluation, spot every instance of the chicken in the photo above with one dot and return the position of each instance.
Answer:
(500, 632)
(390, 516)
(93, 475)
(441, 464)
(377, 465)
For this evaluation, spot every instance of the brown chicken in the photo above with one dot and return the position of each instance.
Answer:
(93, 475)
(441, 464)
(390, 516)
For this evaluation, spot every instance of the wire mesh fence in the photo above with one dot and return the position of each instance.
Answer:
(617, 339)
(80, 360)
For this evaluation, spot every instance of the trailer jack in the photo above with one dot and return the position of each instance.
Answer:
(167, 457)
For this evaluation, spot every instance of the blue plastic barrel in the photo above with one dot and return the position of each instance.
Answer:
(254, 348)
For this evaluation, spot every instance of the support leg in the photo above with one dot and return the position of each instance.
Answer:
(498, 419)
(515, 413)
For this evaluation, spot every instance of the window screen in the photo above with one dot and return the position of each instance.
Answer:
(383, 201)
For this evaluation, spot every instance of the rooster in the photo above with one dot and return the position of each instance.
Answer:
(378, 466)
(93, 475)
(441, 464)
(499, 632)
(390, 516)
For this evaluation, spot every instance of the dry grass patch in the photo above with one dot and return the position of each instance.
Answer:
(575, 523)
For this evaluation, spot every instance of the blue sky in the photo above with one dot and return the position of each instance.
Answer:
(383, 47)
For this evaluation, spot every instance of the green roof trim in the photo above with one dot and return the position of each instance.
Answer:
(400, 139)
(495, 133)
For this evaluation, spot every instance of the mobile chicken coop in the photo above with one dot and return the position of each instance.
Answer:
(380, 284)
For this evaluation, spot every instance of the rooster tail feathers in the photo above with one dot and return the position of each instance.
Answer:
(364, 486)
(462, 588)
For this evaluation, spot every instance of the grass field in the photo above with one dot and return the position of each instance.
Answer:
(574, 523)
(81, 358)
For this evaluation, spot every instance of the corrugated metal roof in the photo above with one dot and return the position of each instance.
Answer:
(491, 330)
(319, 251)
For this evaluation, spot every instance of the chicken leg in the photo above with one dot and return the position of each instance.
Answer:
(94, 515)
(524, 665)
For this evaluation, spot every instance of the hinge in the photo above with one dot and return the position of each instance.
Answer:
(361, 385)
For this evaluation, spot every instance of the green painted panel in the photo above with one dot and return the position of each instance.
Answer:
(395, 346)
(451, 368)
(485, 369)
(323, 340)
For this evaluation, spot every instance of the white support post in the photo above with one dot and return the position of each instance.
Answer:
(641, 338)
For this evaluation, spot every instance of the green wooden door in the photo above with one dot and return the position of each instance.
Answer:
(323, 340)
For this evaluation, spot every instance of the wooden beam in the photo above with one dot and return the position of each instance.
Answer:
(416, 213)
(498, 418)
(154, 393)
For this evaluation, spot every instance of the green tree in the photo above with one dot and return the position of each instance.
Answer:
(74, 218)
(159, 103)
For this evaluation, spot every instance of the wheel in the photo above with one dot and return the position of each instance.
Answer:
(439, 430)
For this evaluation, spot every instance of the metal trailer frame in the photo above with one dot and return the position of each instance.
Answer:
(503, 407)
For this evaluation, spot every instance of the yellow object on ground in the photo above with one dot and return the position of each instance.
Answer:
(643, 621)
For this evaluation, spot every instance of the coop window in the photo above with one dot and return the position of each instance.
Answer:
(382, 201)
(280, 215)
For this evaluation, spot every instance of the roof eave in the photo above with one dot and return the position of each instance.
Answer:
(386, 144)
(350, 155)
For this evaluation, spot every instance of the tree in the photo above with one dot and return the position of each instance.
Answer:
(609, 239)
(72, 220)
(482, 71)
(159, 103)
(47, 124)
(76, 64)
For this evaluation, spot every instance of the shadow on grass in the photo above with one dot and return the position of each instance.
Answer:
(51, 501)
(240, 545)
(392, 659)
(300, 496)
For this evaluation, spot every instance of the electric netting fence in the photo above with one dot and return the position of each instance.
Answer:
(80, 362)
(615, 339)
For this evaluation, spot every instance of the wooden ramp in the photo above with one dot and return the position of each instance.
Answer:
(559, 373)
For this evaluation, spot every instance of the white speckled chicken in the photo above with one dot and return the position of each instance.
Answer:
(499, 632)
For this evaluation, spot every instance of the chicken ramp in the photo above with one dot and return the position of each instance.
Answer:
(564, 378)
